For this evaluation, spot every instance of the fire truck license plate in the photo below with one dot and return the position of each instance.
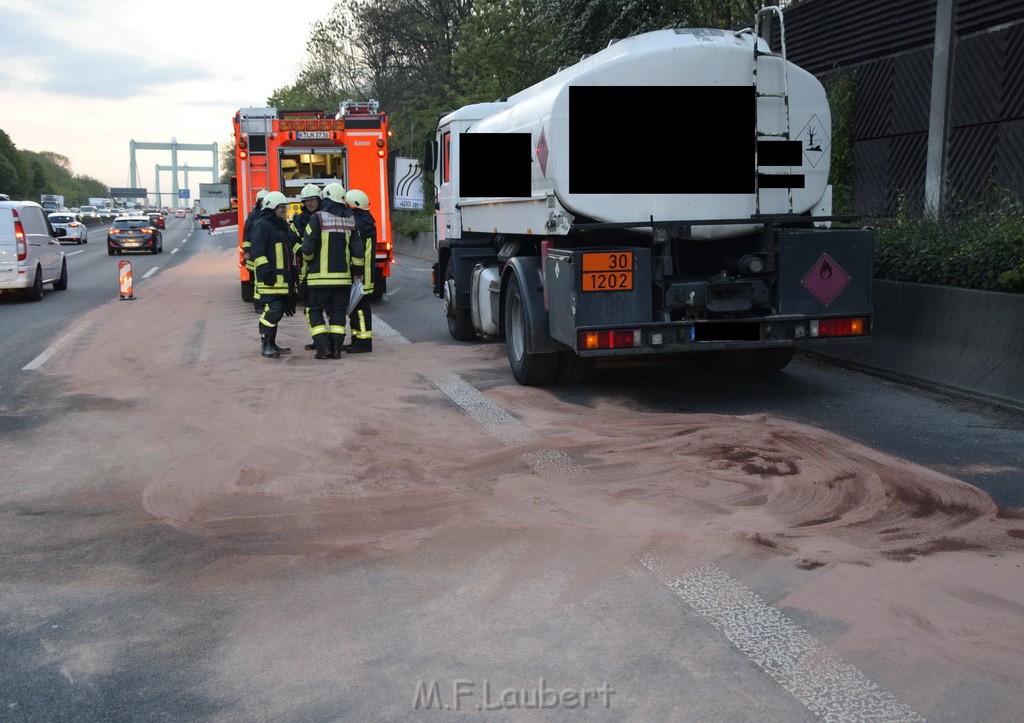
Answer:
(608, 272)
(312, 135)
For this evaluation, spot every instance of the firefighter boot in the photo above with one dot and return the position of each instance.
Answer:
(337, 345)
(268, 346)
(360, 346)
(273, 343)
(322, 344)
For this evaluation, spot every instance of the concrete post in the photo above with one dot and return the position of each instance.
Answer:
(174, 173)
(938, 116)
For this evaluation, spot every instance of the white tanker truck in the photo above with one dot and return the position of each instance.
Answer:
(667, 195)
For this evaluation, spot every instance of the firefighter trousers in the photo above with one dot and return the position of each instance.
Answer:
(273, 310)
(325, 310)
(361, 322)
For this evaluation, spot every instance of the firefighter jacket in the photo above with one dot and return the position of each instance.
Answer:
(330, 245)
(272, 254)
(247, 235)
(367, 228)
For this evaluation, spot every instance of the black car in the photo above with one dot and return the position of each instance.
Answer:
(157, 218)
(134, 233)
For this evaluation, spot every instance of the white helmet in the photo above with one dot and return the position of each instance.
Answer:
(357, 199)
(310, 190)
(274, 199)
(335, 192)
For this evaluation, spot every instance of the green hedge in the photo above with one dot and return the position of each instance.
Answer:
(983, 251)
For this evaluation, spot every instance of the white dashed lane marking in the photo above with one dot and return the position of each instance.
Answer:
(56, 346)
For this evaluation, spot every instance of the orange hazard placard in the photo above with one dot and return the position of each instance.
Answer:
(611, 271)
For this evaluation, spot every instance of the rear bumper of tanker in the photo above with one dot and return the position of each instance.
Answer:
(686, 337)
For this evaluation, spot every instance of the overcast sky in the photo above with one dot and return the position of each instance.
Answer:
(84, 79)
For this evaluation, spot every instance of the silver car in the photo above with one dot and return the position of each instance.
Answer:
(30, 254)
(74, 229)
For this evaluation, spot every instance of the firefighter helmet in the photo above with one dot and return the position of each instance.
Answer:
(260, 194)
(335, 192)
(274, 199)
(357, 199)
(310, 190)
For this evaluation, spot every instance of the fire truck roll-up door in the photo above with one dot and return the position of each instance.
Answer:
(320, 166)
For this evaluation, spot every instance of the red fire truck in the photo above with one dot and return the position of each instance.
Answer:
(284, 150)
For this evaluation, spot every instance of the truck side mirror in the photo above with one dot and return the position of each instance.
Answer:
(430, 155)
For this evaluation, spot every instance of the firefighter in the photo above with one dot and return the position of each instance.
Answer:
(362, 265)
(247, 242)
(271, 250)
(327, 255)
(310, 199)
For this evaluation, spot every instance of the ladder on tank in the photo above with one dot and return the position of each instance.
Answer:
(779, 95)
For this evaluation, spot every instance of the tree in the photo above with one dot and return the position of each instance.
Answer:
(497, 55)
(583, 27)
(13, 171)
(333, 69)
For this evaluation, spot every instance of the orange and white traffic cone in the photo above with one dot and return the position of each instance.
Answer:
(125, 272)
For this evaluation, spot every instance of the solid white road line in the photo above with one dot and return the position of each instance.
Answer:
(56, 346)
(75, 252)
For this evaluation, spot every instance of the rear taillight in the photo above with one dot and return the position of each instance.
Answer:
(19, 237)
(612, 339)
(837, 327)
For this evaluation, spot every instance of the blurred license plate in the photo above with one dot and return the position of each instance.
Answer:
(608, 271)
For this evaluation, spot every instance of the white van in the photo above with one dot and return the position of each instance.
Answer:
(30, 254)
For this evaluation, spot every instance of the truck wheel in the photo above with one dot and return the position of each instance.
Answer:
(772, 360)
(573, 369)
(247, 291)
(530, 369)
(460, 323)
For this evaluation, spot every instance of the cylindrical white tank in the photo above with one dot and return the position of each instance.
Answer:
(665, 125)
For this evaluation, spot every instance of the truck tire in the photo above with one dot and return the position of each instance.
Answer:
(529, 369)
(247, 290)
(460, 323)
(573, 369)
